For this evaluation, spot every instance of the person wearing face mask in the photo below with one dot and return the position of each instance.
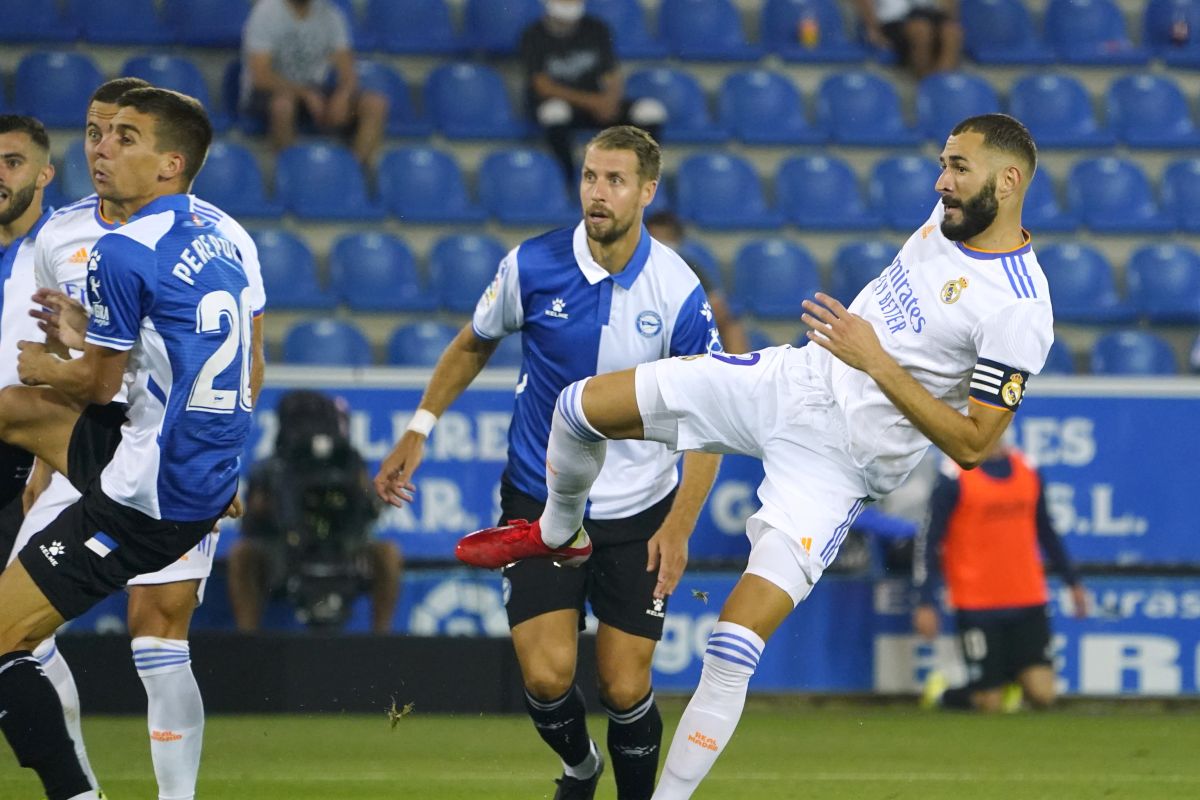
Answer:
(573, 80)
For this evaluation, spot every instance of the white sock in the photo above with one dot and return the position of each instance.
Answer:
(59, 673)
(586, 768)
(712, 715)
(89, 795)
(574, 456)
(174, 713)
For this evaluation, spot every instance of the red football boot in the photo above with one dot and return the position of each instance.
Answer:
(492, 548)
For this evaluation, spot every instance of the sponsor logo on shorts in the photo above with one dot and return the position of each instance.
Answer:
(52, 552)
(165, 736)
(707, 742)
(656, 608)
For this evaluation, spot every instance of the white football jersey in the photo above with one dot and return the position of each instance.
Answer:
(963, 322)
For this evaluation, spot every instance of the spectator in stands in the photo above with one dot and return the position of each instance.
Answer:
(306, 533)
(668, 229)
(573, 81)
(987, 524)
(925, 34)
(298, 64)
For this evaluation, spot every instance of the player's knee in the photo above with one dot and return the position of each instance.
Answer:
(547, 683)
(623, 691)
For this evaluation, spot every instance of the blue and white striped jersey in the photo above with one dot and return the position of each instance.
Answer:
(169, 287)
(578, 320)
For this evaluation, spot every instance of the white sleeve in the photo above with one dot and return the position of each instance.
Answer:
(43, 269)
(1017, 336)
(232, 230)
(499, 312)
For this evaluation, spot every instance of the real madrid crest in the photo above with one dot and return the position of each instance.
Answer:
(1011, 391)
(953, 290)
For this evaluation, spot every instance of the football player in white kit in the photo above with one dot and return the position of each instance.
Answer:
(938, 348)
(160, 603)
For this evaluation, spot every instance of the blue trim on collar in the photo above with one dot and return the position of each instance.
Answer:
(168, 202)
(988, 256)
(637, 262)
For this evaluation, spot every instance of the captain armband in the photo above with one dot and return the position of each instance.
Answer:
(998, 385)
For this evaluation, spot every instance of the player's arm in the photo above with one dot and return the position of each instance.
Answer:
(1056, 553)
(668, 548)
(95, 377)
(258, 358)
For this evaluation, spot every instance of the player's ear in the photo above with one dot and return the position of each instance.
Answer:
(648, 189)
(171, 165)
(1012, 181)
(45, 175)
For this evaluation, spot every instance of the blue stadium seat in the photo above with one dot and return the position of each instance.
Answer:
(947, 98)
(702, 260)
(411, 27)
(420, 184)
(461, 267)
(688, 119)
(74, 179)
(207, 23)
(231, 89)
(323, 181)
(1058, 112)
(377, 272)
(771, 277)
(761, 107)
(55, 87)
(1164, 283)
(1113, 195)
(508, 354)
(902, 190)
(495, 26)
(1042, 211)
(1090, 32)
(822, 192)
(403, 120)
(627, 22)
(705, 30)
(1082, 285)
(856, 264)
(1002, 32)
(420, 344)
(326, 342)
(780, 32)
(181, 75)
(289, 271)
(1151, 111)
(860, 108)
(722, 191)
(1181, 193)
(1171, 29)
(1133, 353)
(1059, 360)
(121, 22)
(232, 180)
(39, 22)
(525, 187)
(470, 101)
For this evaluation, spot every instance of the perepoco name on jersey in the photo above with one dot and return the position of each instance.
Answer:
(203, 249)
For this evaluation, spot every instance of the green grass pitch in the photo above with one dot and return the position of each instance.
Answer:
(781, 750)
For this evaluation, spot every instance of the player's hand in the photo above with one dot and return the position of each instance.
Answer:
(848, 336)
(1079, 601)
(235, 509)
(60, 317)
(29, 362)
(667, 551)
(394, 483)
(926, 622)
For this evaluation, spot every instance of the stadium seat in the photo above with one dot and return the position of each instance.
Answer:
(1059, 360)
(39, 22)
(525, 187)
(822, 192)
(902, 190)
(1058, 112)
(1001, 32)
(1090, 32)
(947, 98)
(771, 277)
(1147, 110)
(420, 344)
(289, 271)
(461, 267)
(470, 101)
(377, 272)
(856, 264)
(705, 30)
(1133, 353)
(1082, 285)
(627, 22)
(323, 181)
(179, 74)
(231, 179)
(688, 119)
(231, 90)
(761, 107)
(1042, 212)
(410, 27)
(74, 180)
(781, 32)
(1181, 193)
(377, 76)
(494, 27)
(55, 87)
(1164, 283)
(1113, 195)
(1171, 30)
(722, 191)
(121, 22)
(326, 342)
(702, 260)
(207, 23)
(420, 184)
(860, 108)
